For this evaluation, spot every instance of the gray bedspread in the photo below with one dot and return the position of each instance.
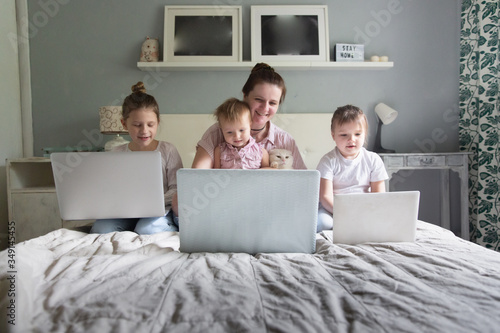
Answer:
(68, 281)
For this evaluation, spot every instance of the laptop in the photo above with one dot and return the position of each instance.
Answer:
(249, 211)
(97, 185)
(375, 217)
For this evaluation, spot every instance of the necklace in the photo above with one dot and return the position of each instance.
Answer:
(258, 130)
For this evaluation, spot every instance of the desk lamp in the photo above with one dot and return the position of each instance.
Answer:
(110, 123)
(385, 115)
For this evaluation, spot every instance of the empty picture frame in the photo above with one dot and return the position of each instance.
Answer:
(289, 33)
(202, 33)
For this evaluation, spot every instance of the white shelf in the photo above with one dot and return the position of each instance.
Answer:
(247, 65)
(35, 189)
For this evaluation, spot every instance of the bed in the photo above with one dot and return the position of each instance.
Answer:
(72, 281)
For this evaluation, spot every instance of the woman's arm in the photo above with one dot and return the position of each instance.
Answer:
(202, 159)
(326, 194)
(206, 146)
(298, 162)
(217, 158)
(265, 159)
(377, 186)
(284, 140)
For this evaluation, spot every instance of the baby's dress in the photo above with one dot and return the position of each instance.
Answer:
(248, 157)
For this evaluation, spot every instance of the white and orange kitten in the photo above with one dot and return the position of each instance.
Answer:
(280, 159)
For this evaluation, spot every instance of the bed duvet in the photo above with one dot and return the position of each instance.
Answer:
(69, 281)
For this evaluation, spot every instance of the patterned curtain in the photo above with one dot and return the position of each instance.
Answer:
(480, 116)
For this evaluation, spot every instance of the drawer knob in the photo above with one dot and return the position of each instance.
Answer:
(427, 161)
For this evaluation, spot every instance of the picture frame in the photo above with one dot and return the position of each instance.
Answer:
(290, 33)
(202, 34)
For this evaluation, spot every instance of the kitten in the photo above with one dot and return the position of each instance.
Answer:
(280, 159)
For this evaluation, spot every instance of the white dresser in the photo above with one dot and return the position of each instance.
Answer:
(445, 162)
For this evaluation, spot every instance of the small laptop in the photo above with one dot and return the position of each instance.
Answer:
(249, 211)
(100, 185)
(375, 217)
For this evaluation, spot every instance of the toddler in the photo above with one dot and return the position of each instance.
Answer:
(349, 167)
(239, 149)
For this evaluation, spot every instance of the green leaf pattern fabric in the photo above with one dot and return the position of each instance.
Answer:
(480, 116)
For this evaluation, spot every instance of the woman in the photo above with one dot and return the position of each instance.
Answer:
(264, 91)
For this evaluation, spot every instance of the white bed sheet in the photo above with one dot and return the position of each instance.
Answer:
(69, 281)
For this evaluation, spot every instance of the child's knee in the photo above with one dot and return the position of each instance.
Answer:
(325, 221)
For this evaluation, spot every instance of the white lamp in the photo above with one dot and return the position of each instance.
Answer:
(110, 123)
(386, 115)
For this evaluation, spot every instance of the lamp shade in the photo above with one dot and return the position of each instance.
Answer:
(385, 113)
(110, 120)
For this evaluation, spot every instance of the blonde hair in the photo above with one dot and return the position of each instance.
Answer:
(232, 110)
(347, 114)
(138, 99)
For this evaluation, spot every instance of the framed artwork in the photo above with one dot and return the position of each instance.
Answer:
(202, 33)
(289, 33)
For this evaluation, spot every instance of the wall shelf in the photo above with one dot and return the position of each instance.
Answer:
(247, 65)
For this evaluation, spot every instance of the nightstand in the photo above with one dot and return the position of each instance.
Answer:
(445, 162)
(32, 199)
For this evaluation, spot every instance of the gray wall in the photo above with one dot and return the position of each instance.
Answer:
(84, 54)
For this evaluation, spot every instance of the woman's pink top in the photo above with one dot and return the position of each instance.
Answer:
(248, 157)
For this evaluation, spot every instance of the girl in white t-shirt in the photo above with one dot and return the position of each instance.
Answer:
(349, 167)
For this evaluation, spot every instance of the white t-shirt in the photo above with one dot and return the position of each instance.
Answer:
(352, 176)
(171, 162)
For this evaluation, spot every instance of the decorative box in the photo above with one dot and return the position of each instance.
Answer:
(349, 52)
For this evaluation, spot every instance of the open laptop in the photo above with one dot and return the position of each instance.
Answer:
(250, 211)
(99, 185)
(375, 217)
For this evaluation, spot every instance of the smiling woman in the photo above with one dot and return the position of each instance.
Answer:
(264, 91)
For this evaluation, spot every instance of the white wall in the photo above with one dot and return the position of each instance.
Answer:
(10, 111)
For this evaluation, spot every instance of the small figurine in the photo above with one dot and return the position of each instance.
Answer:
(150, 50)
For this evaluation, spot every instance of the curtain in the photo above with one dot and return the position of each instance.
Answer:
(480, 116)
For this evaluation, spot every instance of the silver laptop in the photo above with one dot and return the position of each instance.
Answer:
(375, 217)
(250, 211)
(101, 185)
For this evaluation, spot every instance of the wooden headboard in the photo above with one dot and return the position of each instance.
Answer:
(311, 132)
